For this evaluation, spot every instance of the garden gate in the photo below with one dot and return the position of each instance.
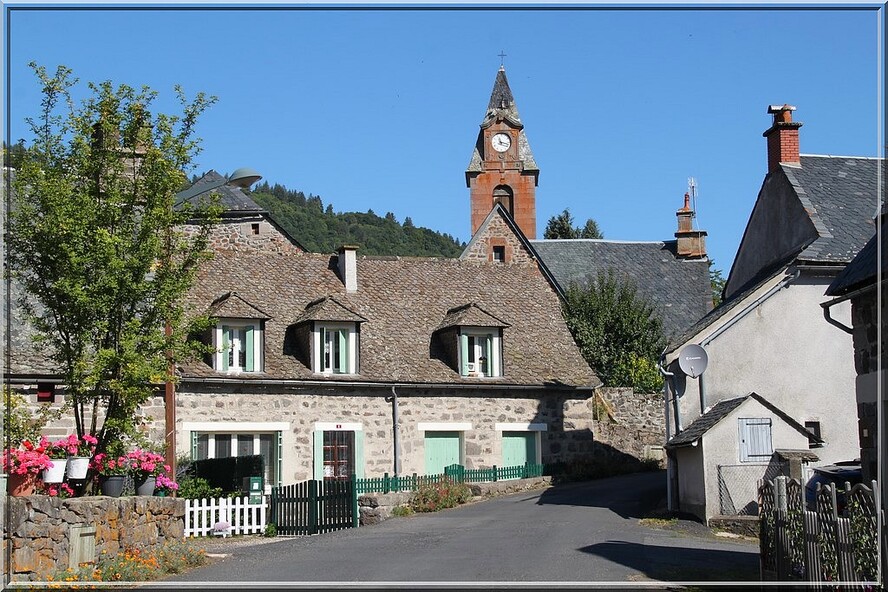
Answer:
(313, 507)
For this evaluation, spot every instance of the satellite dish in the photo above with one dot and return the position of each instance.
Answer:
(692, 360)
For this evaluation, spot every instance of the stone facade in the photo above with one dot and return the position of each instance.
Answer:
(257, 234)
(864, 311)
(40, 528)
(497, 234)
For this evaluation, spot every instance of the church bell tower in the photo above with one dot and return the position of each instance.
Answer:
(502, 169)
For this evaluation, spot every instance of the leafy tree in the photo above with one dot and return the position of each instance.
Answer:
(13, 154)
(562, 226)
(717, 281)
(619, 333)
(99, 249)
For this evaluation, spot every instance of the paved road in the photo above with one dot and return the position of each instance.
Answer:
(584, 532)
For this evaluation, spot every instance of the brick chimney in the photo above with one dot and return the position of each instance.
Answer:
(348, 267)
(783, 137)
(691, 243)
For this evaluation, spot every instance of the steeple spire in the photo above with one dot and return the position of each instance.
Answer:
(502, 102)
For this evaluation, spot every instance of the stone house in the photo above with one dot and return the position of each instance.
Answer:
(768, 336)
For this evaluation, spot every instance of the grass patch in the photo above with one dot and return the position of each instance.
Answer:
(658, 522)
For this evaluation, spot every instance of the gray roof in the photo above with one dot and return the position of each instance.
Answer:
(721, 410)
(862, 269)
(840, 195)
(679, 289)
(232, 199)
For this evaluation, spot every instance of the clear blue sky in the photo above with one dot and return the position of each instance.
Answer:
(379, 109)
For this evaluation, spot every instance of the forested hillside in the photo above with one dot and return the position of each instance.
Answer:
(323, 230)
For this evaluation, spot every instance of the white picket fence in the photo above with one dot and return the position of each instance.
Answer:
(202, 515)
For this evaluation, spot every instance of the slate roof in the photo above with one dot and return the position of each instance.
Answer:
(232, 199)
(502, 105)
(231, 305)
(862, 269)
(404, 300)
(679, 289)
(722, 409)
(328, 309)
(840, 195)
(470, 315)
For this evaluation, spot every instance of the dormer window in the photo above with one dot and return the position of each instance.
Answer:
(238, 346)
(335, 347)
(480, 352)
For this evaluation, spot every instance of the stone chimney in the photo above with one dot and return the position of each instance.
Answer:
(783, 137)
(348, 267)
(691, 243)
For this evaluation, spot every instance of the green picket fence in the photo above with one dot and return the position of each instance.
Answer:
(389, 484)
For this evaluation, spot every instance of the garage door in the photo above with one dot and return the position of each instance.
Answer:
(519, 448)
(441, 450)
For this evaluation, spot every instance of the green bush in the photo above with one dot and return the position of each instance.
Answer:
(271, 530)
(402, 511)
(442, 494)
(134, 565)
(197, 488)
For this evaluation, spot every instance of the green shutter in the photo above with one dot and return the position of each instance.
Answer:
(359, 454)
(464, 355)
(519, 448)
(441, 450)
(343, 351)
(193, 445)
(488, 353)
(225, 346)
(249, 345)
(319, 455)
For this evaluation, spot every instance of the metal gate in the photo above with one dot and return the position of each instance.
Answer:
(313, 507)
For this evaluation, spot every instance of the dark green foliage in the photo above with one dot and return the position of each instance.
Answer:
(323, 231)
(562, 226)
(191, 487)
(717, 282)
(619, 333)
(228, 473)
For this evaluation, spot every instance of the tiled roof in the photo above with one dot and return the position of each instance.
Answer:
(840, 195)
(862, 269)
(328, 309)
(679, 289)
(231, 305)
(469, 315)
(403, 300)
(232, 199)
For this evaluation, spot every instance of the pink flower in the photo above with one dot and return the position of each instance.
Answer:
(19, 461)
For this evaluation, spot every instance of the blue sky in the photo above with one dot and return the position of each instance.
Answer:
(379, 109)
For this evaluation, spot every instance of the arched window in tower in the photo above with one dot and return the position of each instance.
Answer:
(502, 195)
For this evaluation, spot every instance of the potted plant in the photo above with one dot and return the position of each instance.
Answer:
(58, 460)
(23, 465)
(81, 451)
(112, 472)
(164, 485)
(59, 490)
(145, 466)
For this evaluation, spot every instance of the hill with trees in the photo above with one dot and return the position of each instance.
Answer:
(322, 230)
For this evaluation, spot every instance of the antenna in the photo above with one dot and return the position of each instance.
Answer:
(692, 189)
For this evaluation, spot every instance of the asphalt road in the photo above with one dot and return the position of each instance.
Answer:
(582, 532)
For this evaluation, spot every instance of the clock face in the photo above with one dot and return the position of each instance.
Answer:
(501, 142)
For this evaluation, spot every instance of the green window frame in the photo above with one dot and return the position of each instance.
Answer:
(336, 348)
(480, 353)
(240, 349)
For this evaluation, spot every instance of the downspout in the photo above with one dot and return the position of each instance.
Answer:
(397, 454)
(827, 305)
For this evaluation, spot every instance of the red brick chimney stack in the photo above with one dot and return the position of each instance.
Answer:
(783, 137)
(691, 244)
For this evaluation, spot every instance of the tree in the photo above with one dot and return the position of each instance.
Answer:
(562, 226)
(717, 282)
(101, 253)
(619, 333)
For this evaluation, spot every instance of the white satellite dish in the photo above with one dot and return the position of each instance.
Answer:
(693, 360)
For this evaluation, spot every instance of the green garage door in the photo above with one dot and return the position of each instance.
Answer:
(441, 450)
(519, 448)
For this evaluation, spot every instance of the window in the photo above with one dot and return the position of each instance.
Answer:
(336, 348)
(499, 253)
(755, 439)
(339, 455)
(813, 428)
(223, 445)
(479, 352)
(239, 347)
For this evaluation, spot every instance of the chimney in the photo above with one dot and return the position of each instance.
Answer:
(691, 243)
(783, 137)
(348, 267)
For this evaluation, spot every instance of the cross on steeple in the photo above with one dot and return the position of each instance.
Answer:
(502, 57)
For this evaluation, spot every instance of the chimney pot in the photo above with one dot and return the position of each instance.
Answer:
(783, 137)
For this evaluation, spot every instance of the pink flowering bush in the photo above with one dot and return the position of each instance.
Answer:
(107, 465)
(144, 463)
(72, 445)
(61, 490)
(57, 449)
(165, 483)
(24, 460)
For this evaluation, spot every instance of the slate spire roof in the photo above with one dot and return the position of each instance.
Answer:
(501, 99)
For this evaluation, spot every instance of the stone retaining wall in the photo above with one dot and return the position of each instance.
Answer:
(40, 528)
(744, 525)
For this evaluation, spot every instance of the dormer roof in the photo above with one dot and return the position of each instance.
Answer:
(328, 309)
(233, 306)
(470, 315)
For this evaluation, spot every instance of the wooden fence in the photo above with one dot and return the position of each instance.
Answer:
(313, 507)
(822, 545)
(202, 516)
(388, 484)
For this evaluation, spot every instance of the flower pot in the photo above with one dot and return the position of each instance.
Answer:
(145, 485)
(55, 473)
(112, 485)
(78, 467)
(160, 493)
(21, 485)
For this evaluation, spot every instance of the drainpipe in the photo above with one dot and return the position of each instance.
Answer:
(397, 455)
(827, 305)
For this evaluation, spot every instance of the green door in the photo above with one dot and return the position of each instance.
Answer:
(519, 448)
(441, 450)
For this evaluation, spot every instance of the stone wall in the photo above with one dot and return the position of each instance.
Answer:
(255, 234)
(500, 235)
(40, 528)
